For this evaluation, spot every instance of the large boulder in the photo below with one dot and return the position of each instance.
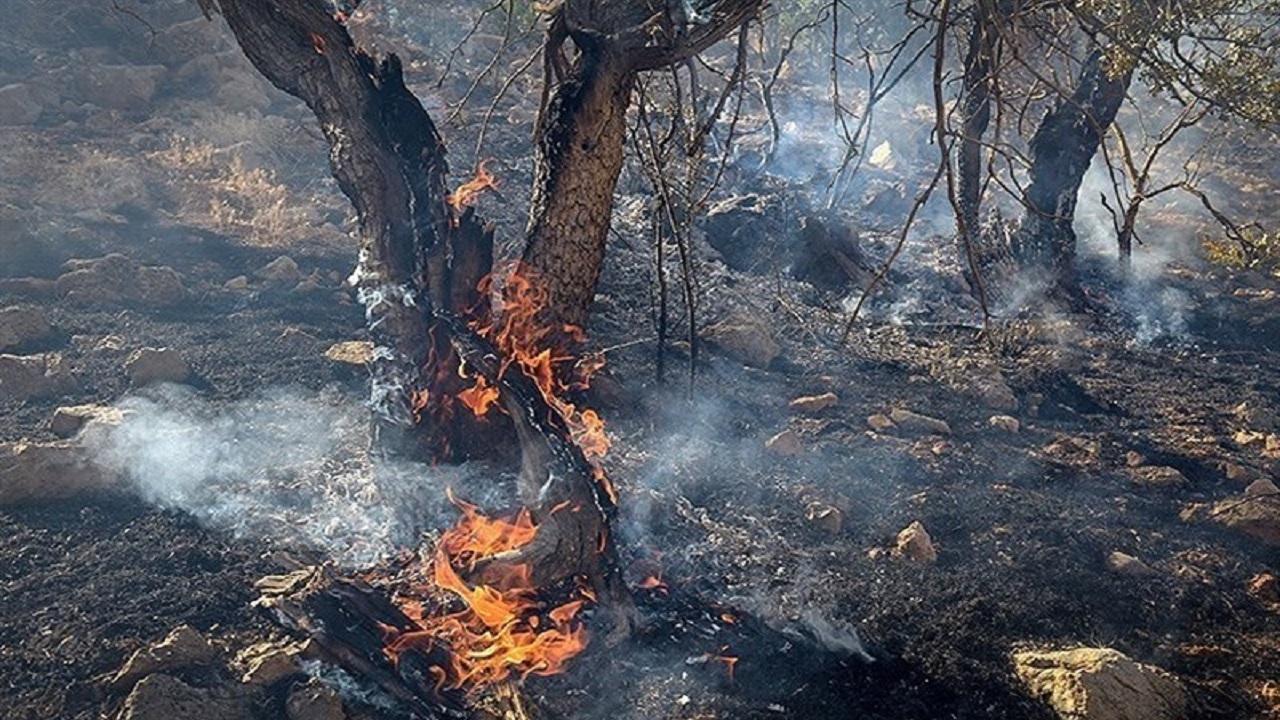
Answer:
(745, 338)
(21, 326)
(23, 377)
(161, 697)
(149, 366)
(183, 648)
(1100, 684)
(1256, 514)
(37, 471)
(113, 279)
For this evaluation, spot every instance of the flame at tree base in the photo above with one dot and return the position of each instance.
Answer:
(491, 632)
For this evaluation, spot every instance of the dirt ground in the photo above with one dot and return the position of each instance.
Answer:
(1023, 521)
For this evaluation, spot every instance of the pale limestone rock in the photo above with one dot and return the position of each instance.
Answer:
(1257, 514)
(1101, 684)
(1157, 476)
(813, 404)
(1126, 564)
(36, 471)
(21, 326)
(784, 443)
(184, 647)
(746, 339)
(155, 365)
(161, 697)
(913, 422)
(880, 423)
(23, 377)
(1007, 423)
(68, 420)
(351, 352)
(282, 270)
(914, 544)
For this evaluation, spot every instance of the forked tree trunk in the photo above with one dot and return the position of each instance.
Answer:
(1061, 149)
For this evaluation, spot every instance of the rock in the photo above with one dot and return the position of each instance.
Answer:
(732, 227)
(1006, 423)
(1134, 459)
(813, 404)
(1257, 514)
(914, 544)
(996, 394)
(1158, 476)
(160, 286)
(182, 648)
(21, 326)
(114, 278)
(824, 516)
(784, 443)
(179, 43)
(1101, 684)
(239, 282)
(880, 423)
(161, 697)
(1257, 416)
(307, 285)
(1237, 473)
(19, 105)
(1124, 564)
(37, 471)
(146, 366)
(282, 270)
(126, 88)
(746, 339)
(917, 423)
(1265, 587)
(314, 701)
(23, 377)
(351, 352)
(268, 663)
(68, 420)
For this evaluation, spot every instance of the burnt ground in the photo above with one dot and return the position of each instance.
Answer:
(1024, 522)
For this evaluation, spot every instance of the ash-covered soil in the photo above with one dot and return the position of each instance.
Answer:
(1133, 419)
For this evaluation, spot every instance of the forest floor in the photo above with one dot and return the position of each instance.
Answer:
(1132, 420)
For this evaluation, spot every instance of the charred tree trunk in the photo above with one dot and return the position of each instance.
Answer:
(1061, 149)
(975, 117)
(390, 161)
(581, 130)
(580, 139)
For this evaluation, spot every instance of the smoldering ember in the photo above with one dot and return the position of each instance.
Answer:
(383, 359)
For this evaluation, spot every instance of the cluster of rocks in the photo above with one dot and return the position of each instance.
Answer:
(186, 676)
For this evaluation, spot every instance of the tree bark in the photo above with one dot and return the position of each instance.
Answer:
(1061, 149)
(580, 139)
(975, 117)
(390, 162)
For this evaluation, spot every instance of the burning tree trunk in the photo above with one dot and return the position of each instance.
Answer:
(1061, 149)
(415, 252)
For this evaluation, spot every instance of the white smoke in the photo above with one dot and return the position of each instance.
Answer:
(285, 466)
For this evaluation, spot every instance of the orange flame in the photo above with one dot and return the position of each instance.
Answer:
(524, 341)
(468, 192)
(479, 397)
(500, 631)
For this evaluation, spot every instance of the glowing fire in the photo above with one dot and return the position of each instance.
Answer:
(526, 342)
(499, 631)
(491, 632)
(468, 192)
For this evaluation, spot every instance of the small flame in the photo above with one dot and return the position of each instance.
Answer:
(468, 192)
(654, 583)
(480, 397)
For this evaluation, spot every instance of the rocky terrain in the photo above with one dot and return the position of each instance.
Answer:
(1073, 515)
